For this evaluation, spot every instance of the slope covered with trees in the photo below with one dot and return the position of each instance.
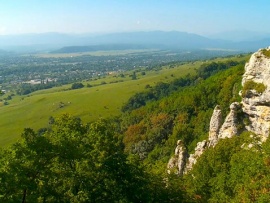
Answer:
(124, 159)
(73, 162)
(232, 172)
(152, 130)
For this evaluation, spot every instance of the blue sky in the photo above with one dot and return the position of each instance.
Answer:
(105, 16)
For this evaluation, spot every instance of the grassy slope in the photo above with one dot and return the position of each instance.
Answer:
(88, 103)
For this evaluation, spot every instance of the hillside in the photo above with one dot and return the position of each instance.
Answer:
(103, 99)
(232, 165)
(227, 144)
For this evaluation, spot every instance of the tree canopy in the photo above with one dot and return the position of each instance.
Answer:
(73, 162)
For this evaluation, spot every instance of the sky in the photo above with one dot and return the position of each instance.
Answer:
(106, 16)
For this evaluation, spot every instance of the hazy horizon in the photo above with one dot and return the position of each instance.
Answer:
(106, 16)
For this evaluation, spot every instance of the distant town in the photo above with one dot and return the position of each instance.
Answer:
(23, 74)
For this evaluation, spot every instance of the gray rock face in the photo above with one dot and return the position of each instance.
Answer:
(229, 127)
(184, 162)
(257, 105)
(178, 161)
(215, 123)
(200, 148)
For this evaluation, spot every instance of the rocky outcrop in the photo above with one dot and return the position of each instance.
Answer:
(215, 123)
(200, 148)
(229, 127)
(182, 162)
(253, 114)
(257, 104)
(178, 162)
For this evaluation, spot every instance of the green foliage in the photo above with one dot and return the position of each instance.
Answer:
(266, 52)
(251, 85)
(77, 85)
(70, 162)
(232, 172)
(164, 89)
(87, 103)
(25, 88)
(206, 70)
(134, 76)
(153, 130)
(73, 162)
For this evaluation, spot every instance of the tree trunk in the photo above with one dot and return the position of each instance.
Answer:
(24, 196)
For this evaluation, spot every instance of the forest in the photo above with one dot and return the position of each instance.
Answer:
(124, 158)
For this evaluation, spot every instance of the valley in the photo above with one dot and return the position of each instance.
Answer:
(107, 80)
(134, 101)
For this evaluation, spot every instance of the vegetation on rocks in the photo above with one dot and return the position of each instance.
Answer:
(266, 52)
(251, 85)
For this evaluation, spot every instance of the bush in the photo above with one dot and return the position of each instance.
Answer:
(251, 85)
(77, 86)
(266, 53)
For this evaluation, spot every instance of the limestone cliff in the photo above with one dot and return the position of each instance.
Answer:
(256, 102)
(254, 111)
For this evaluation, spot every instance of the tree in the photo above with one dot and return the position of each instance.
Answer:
(134, 76)
(77, 86)
(70, 162)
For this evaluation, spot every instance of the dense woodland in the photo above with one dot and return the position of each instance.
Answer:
(123, 159)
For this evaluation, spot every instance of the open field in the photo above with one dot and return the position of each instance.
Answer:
(95, 53)
(88, 103)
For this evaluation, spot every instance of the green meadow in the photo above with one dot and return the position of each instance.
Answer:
(89, 103)
(103, 99)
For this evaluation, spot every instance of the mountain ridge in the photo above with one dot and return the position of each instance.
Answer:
(160, 39)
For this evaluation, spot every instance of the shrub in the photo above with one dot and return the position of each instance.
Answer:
(77, 86)
(266, 53)
(251, 85)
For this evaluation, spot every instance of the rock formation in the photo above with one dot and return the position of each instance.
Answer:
(215, 123)
(184, 162)
(255, 106)
(178, 161)
(229, 127)
(200, 148)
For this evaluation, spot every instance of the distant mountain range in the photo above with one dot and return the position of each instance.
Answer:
(240, 35)
(131, 40)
